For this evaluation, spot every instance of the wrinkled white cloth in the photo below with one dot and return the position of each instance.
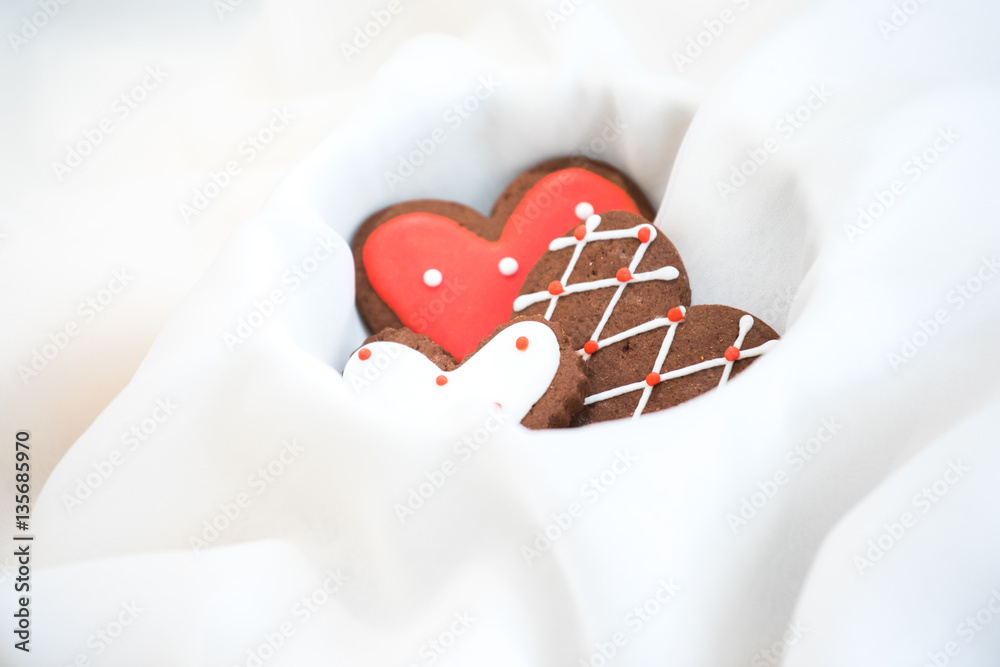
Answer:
(835, 505)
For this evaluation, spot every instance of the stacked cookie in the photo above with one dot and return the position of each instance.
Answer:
(568, 272)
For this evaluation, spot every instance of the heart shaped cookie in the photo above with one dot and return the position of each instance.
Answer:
(671, 360)
(612, 273)
(527, 368)
(442, 269)
(618, 288)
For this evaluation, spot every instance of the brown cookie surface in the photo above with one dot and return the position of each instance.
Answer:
(419, 342)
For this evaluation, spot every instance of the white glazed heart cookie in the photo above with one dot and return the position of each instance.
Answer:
(526, 367)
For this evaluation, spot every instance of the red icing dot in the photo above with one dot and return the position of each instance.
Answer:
(364, 354)
(675, 314)
(623, 275)
(556, 288)
(591, 346)
(441, 380)
(732, 353)
(653, 379)
(522, 343)
(644, 234)
(580, 232)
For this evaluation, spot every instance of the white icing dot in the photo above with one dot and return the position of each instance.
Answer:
(584, 210)
(432, 277)
(508, 266)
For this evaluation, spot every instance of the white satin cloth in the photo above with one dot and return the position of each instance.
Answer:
(835, 505)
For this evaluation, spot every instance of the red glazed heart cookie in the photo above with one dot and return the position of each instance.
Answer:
(442, 269)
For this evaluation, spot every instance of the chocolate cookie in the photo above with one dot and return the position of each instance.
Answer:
(671, 360)
(442, 269)
(526, 367)
(612, 273)
(618, 287)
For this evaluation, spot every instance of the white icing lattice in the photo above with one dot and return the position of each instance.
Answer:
(645, 233)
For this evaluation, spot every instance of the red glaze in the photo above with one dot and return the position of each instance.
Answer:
(475, 297)
(732, 353)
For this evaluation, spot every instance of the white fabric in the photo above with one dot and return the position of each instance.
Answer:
(857, 433)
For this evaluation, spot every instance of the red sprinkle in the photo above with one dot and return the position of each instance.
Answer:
(522, 343)
(441, 380)
(591, 346)
(364, 354)
(675, 314)
(580, 232)
(644, 234)
(623, 275)
(556, 288)
(653, 379)
(732, 353)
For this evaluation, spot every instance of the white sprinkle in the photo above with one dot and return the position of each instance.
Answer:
(508, 266)
(584, 210)
(432, 277)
